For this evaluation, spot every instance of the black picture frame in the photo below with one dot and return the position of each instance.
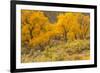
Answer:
(13, 36)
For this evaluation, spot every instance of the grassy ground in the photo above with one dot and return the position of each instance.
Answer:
(72, 50)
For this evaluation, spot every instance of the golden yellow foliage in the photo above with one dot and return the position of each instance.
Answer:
(62, 40)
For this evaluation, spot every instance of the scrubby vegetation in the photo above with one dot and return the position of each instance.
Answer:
(65, 39)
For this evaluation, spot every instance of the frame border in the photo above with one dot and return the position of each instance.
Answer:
(13, 36)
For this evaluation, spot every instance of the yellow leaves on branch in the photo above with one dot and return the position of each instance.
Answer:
(37, 30)
(37, 17)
